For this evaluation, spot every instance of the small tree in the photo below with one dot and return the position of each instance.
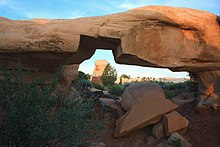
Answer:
(109, 75)
(83, 76)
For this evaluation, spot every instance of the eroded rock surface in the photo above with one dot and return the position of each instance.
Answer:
(209, 88)
(99, 67)
(158, 36)
(180, 39)
(98, 71)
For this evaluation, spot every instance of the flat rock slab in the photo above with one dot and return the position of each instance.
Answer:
(142, 114)
(140, 91)
(175, 122)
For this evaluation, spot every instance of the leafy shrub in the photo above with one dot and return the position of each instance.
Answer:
(26, 108)
(109, 75)
(74, 124)
(98, 86)
(116, 90)
(29, 116)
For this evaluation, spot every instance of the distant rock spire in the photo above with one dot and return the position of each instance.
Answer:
(98, 70)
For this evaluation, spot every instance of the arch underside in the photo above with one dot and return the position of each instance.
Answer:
(156, 36)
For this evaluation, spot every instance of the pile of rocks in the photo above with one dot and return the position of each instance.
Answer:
(145, 104)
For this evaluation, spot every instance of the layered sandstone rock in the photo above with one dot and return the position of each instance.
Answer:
(139, 92)
(144, 113)
(98, 70)
(99, 67)
(180, 39)
(158, 36)
(209, 88)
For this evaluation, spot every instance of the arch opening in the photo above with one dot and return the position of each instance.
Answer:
(134, 71)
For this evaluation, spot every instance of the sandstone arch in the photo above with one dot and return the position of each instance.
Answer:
(180, 39)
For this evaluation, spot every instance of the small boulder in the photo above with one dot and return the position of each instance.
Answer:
(113, 104)
(140, 91)
(158, 131)
(175, 122)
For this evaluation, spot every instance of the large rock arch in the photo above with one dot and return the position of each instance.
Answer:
(180, 39)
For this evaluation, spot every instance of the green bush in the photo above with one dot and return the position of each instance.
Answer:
(116, 90)
(187, 86)
(83, 76)
(85, 83)
(109, 75)
(98, 86)
(30, 119)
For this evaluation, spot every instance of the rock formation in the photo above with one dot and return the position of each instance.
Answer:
(146, 112)
(140, 91)
(99, 67)
(98, 70)
(209, 88)
(180, 39)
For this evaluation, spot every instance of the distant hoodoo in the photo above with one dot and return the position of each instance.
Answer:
(98, 70)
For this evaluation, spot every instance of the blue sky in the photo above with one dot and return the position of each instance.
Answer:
(27, 9)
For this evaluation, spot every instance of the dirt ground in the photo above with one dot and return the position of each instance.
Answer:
(204, 127)
(203, 130)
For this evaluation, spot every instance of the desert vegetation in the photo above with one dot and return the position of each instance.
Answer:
(109, 75)
(33, 114)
